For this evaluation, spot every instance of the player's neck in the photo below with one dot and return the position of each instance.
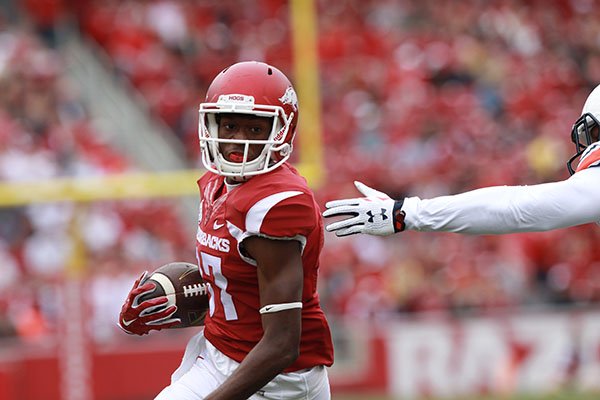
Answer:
(236, 180)
(230, 185)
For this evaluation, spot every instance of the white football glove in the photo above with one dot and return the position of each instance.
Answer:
(374, 214)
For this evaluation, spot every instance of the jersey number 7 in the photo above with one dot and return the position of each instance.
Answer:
(211, 265)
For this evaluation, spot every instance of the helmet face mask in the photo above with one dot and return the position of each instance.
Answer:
(253, 89)
(586, 129)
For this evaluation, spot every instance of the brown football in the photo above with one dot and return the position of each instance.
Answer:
(183, 285)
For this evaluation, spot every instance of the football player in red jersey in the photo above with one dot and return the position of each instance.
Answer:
(260, 233)
(491, 210)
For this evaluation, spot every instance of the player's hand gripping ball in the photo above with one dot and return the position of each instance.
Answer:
(173, 296)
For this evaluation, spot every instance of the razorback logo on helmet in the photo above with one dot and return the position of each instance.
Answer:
(236, 98)
(289, 97)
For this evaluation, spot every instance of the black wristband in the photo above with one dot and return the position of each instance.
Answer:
(398, 215)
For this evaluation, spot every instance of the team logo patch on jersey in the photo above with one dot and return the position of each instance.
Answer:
(289, 97)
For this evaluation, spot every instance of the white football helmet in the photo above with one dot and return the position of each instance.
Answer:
(586, 129)
(253, 88)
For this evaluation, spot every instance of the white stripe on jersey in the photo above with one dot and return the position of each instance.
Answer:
(257, 213)
(254, 218)
(235, 231)
(239, 236)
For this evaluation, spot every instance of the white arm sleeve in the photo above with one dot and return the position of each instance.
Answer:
(508, 209)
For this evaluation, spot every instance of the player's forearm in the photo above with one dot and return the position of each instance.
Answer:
(505, 209)
(261, 365)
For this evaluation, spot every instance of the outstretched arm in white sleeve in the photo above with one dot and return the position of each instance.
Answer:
(490, 210)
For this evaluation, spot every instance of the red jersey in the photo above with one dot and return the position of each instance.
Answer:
(279, 205)
(590, 157)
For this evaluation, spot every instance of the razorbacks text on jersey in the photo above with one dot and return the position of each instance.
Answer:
(590, 157)
(275, 205)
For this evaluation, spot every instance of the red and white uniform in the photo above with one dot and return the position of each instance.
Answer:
(506, 209)
(590, 157)
(276, 205)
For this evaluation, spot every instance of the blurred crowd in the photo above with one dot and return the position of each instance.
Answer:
(419, 98)
(45, 133)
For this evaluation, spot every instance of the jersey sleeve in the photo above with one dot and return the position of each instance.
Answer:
(282, 215)
(508, 209)
(590, 158)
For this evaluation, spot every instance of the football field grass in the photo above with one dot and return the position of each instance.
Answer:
(563, 395)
